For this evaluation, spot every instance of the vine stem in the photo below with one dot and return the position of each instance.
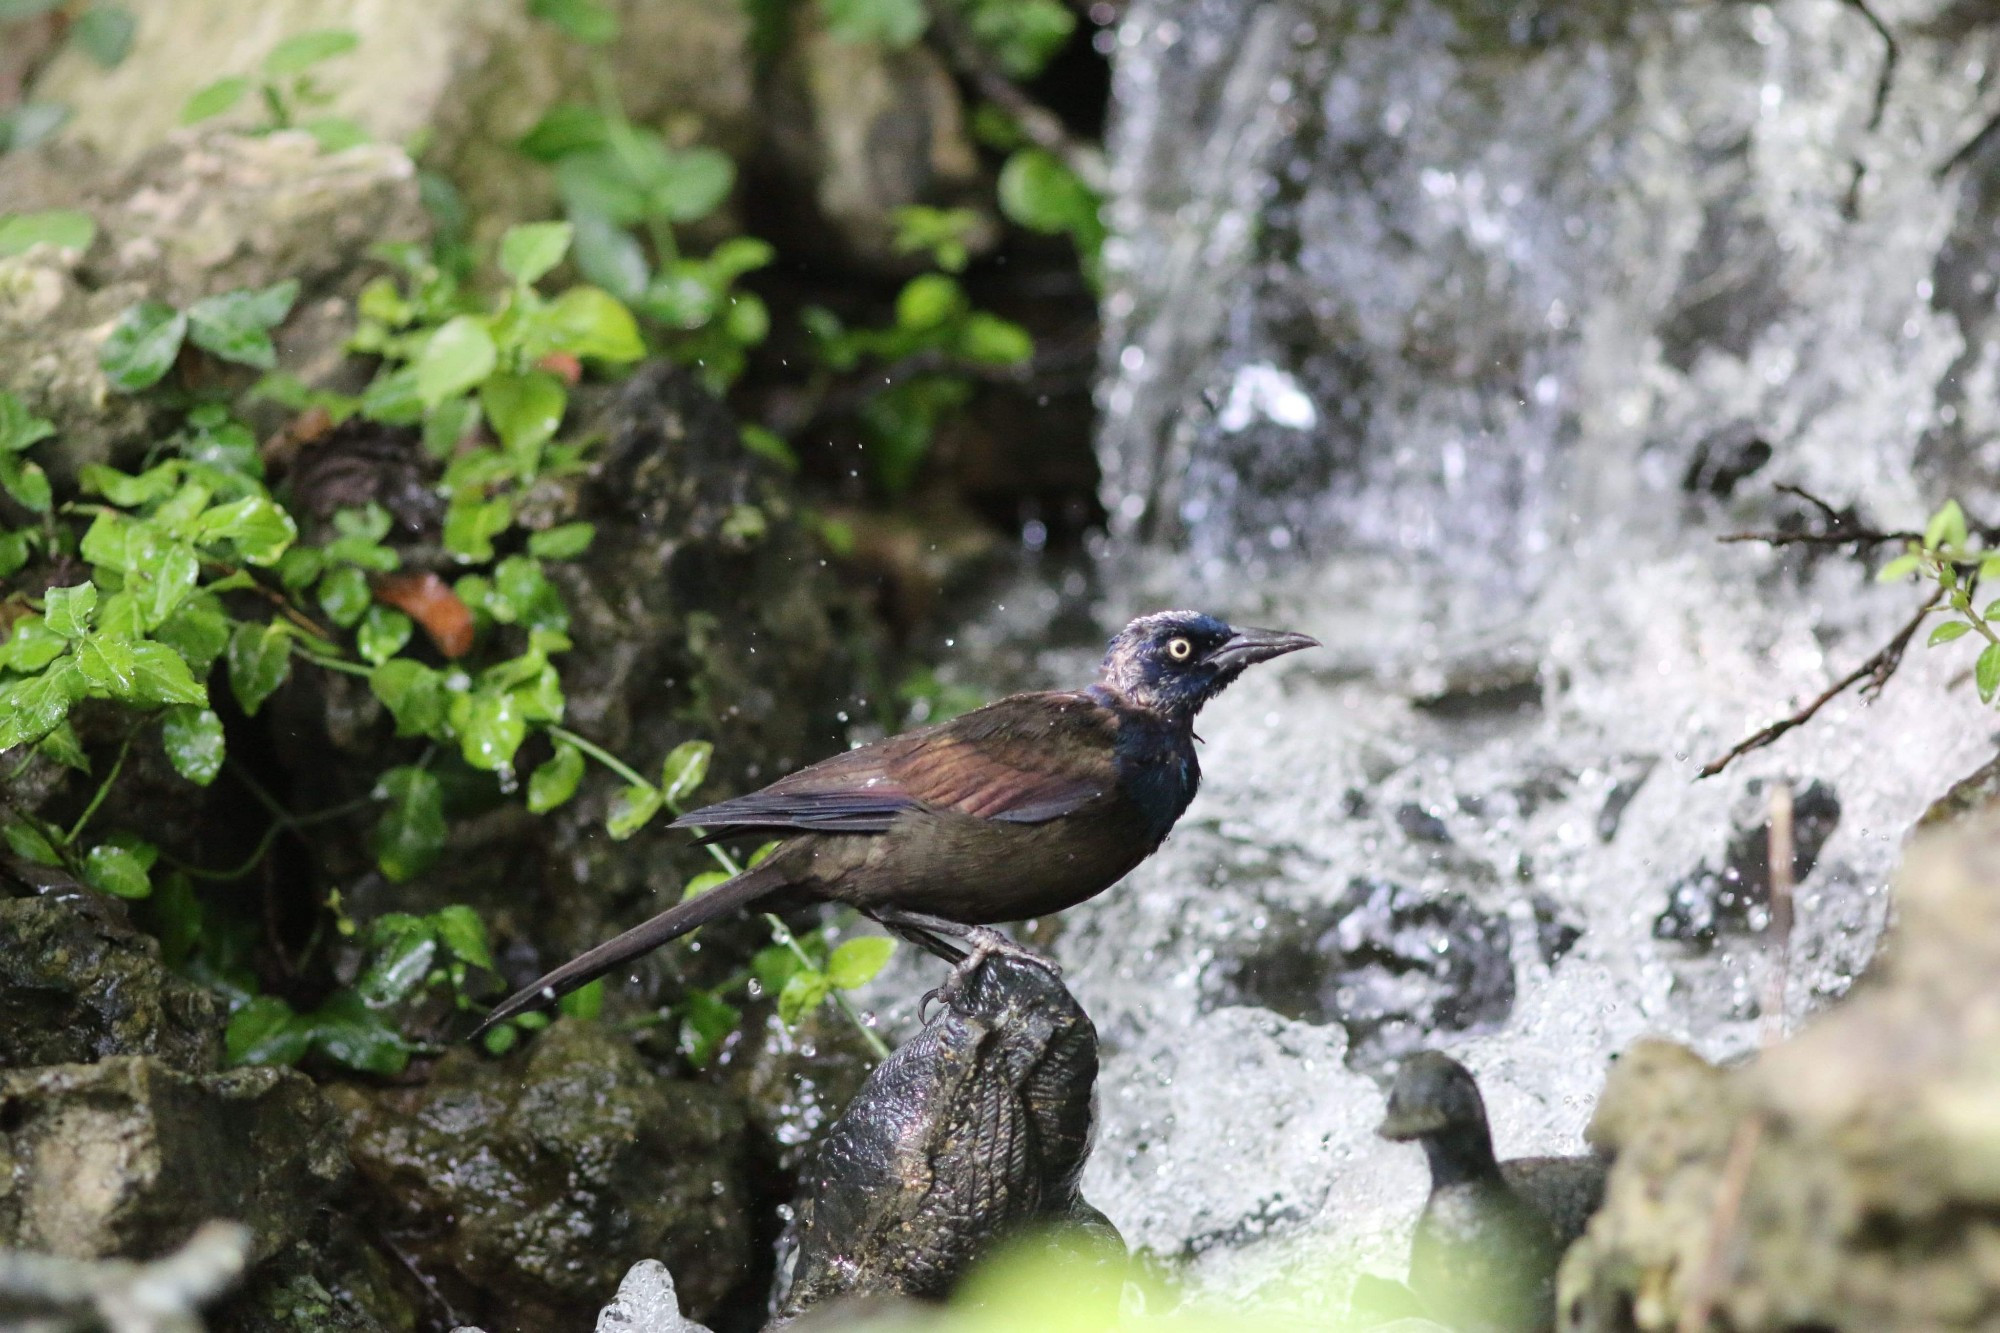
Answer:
(599, 753)
(103, 790)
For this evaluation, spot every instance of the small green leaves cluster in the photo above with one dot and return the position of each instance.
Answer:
(1948, 557)
(235, 326)
(937, 337)
(625, 189)
(287, 90)
(63, 228)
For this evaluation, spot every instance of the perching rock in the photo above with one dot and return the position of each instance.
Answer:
(124, 1158)
(201, 216)
(1865, 1146)
(77, 985)
(646, 1303)
(40, 1291)
(973, 1131)
(528, 1187)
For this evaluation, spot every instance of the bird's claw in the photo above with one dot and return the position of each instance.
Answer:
(984, 943)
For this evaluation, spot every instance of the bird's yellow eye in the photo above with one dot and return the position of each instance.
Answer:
(1179, 649)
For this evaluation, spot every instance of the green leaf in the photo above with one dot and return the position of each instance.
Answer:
(193, 741)
(1901, 567)
(335, 134)
(118, 870)
(15, 548)
(703, 882)
(471, 524)
(706, 1022)
(414, 694)
(685, 769)
(992, 341)
(344, 595)
(564, 129)
(565, 541)
(236, 325)
(68, 611)
(555, 781)
(108, 665)
(348, 1032)
(1038, 192)
(258, 529)
(20, 428)
(121, 489)
(1945, 633)
(31, 646)
(802, 994)
(26, 482)
(392, 399)
(265, 1032)
(490, 728)
(296, 55)
(687, 184)
(630, 811)
(586, 1002)
(928, 301)
(260, 657)
(66, 229)
(502, 1038)
(29, 843)
(457, 357)
(142, 346)
(896, 23)
(529, 251)
(1987, 672)
(587, 21)
(214, 99)
(31, 708)
(591, 322)
(197, 630)
(526, 411)
(104, 33)
(611, 257)
(464, 934)
(402, 958)
(169, 583)
(855, 963)
(384, 631)
(410, 835)
(1946, 528)
(768, 445)
(161, 676)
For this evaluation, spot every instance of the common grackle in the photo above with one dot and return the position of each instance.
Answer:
(1485, 1251)
(1024, 807)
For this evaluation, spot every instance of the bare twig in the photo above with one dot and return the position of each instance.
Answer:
(1842, 528)
(1042, 126)
(1871, 675)
(1729, 1188)
(1779, 928)
(1969, 149)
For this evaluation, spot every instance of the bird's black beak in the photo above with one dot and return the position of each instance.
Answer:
(1247, 647)
(1402, 1125)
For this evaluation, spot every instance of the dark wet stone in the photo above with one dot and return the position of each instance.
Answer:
(78, 984)
(1554, 937)
(1709, 903)
(527, 1187)
(127, 1156)
(974, 1131)
(1385, 962)
(1626, 786)
(1724, 458)
(1420, 825)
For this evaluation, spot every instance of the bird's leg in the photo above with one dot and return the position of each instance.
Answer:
(943, 937)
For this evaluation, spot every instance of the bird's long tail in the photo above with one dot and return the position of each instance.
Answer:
(643, 938)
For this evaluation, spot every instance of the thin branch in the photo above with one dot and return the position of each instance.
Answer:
(1779, 928)
(1729, 1189)
(1969, 149)
(1842, 528)
(1042, 126)
(1875, 672)
(1891, 54)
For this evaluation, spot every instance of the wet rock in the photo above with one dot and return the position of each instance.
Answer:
(1735, 899)
(861, 130)
(795, 1082)
(45, 1292)
(1385, 962)
(1554, 936)
(1723, 458)
(333, 1282)
(469, 76)
(1421, 825)
(1864, 1145)
(1631, 776)
(193, 218)
(77, 985)
(127, 1156)
(527, 1187)
(976, 1129)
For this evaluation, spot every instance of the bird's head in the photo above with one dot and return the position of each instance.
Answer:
(1176, 661)
(1434, 1096)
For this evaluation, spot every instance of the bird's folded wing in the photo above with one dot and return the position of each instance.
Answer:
(1024, 760)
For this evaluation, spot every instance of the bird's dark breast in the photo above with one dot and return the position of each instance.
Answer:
(982, 871)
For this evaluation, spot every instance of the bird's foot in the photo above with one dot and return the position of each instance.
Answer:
(983, 942)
